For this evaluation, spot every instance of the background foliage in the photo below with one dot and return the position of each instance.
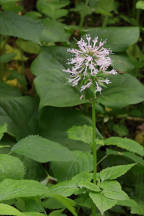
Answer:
(45, 129)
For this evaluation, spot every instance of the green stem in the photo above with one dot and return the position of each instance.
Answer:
(94, 149)
(94, 141)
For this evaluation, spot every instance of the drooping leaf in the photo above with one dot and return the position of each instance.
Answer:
(114, 172)
(23, 27)
(11, 167)
(125, 143)
(42, 150)
(123, 91)
(102, 203)
(132, 156)
(67, 203)
(118, 38)
(136, 207)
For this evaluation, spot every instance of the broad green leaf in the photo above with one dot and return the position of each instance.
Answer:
(50, 59)
(123, 91)
(23, 27)
(83, 133)
(118, 38)
(102, 203)
(122, 63)
(54, 123)
(54, 31)
(140, 5)
(132, 156)
(54, 90)
(11, 189)
(125, 143)
(9, 210)
(51, 84)
(114, 172)
(11, 167)
(3, 129)
(42, 150)
(19, 113)
(112, 190)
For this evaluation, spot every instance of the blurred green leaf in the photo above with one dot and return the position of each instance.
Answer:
(53, 9)
(118, 39)
(28, 46)
(140, 5)
(54, 31)
(23, 27)
(123, 91)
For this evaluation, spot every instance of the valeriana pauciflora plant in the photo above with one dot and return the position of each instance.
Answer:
(90, 69)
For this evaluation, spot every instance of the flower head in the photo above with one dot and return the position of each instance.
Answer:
(90, 65)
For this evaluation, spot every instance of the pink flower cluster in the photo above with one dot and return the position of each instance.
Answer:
(89, 67)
